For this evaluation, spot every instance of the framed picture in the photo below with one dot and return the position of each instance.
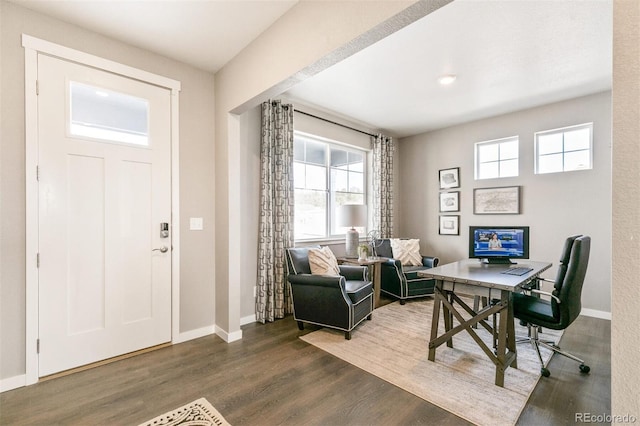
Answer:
(502, 200)
(449, 225)
(450, 178)
(450, 201)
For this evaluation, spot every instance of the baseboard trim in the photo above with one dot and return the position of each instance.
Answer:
(247, 320)
(195, 334)
(14, 382)
(213, 329)
(229, 337)
(596, 314)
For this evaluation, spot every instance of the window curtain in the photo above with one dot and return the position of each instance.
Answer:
(276, 211)
(383, 148)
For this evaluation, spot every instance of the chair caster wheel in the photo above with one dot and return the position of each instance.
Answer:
(545, 372)
(584, 368)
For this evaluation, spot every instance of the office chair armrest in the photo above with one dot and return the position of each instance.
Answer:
(545, 293)
(535, 283)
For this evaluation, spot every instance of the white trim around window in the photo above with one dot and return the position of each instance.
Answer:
(316, 180)
(564, 149)
(497, 158)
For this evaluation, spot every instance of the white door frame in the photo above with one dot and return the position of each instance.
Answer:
(33, 46)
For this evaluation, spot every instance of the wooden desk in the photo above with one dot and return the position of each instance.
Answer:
(376, 264)
(474, 278)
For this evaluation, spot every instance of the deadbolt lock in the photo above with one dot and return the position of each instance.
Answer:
(164, 230)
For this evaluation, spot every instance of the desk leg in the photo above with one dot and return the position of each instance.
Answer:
(377, 272)
(511, 333)
(437, 301)
(447, 316)
(502, 340)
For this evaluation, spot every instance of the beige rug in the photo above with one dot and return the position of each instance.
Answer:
(393, 346)
(196, 413)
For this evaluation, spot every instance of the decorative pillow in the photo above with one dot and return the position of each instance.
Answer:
(406, 251)
(322, 261)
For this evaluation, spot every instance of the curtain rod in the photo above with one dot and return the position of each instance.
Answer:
(333, 122)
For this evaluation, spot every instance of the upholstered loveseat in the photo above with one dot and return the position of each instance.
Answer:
(340, 301)
(402, 281)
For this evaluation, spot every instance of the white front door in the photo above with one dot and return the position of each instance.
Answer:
(104, 166)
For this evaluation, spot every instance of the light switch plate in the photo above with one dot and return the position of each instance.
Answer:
(196, 224)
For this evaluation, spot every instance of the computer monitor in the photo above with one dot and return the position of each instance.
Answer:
(499, 244)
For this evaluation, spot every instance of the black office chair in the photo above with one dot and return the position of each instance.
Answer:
(565, 304)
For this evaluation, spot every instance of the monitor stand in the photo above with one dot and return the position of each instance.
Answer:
(499, 261)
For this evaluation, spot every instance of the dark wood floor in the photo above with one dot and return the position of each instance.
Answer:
(271, 377)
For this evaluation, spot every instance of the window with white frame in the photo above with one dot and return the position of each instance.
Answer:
(564, 150)
(497, 158)
(326, 175)
(99, 113)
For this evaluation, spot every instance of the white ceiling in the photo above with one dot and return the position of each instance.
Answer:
(508, 54)
(202, 33)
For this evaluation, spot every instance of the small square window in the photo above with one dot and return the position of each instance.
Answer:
(563, 150)
(497, 158)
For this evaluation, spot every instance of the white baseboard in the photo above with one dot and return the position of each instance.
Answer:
(596, 314)
(13, 382)
(247, 320)
(214, 329)
(229, 337)
(194, 334)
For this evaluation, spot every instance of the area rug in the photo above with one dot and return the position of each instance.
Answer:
(394, 347)
(196, 413)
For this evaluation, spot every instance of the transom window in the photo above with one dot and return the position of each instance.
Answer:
(565, 149)
(109, 116)
(326, 175)
(496, 158)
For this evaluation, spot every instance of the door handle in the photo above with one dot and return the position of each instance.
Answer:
(162, 249)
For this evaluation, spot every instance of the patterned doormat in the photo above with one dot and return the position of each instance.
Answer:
(197, 413)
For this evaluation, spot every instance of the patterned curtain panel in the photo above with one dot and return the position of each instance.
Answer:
(276, 211)
(383, 148)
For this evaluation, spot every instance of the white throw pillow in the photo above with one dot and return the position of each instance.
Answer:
(406, 251)
(322, 261)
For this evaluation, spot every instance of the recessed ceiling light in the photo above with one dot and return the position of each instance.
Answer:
(447, 79)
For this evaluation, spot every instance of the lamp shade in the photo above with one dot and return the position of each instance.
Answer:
(351, 215)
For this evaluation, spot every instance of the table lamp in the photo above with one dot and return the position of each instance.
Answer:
(351, 215)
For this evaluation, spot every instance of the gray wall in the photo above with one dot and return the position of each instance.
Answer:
(625, 333)
(196, 172)
(553, 205)
(250, 208)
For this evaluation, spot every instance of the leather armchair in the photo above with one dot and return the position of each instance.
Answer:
(341, 302)
(401, 281)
